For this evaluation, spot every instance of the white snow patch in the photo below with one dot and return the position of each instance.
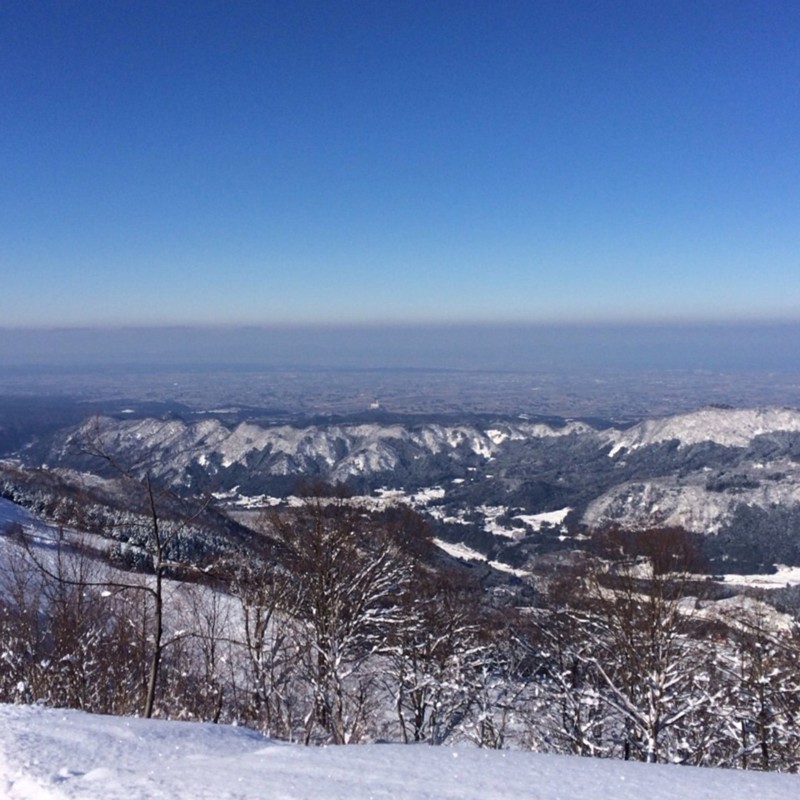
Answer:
(425, 496)
(545, 518)
(491, 525)
(51, 753)
(497, 437)
(499, 565)
(785, 576)
(481, 447)
(459, 550)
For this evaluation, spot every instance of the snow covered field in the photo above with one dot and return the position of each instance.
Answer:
(46, 754)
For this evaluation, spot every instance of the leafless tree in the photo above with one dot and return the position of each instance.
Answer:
(762, 713)
(349, 578)
(434, 656)
(270, 640)
(642, 649)
(158, 530)
(564, 709)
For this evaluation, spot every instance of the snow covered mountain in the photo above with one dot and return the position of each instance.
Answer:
(729, 427)
(697, 501)
(181, 452)
(500, 487)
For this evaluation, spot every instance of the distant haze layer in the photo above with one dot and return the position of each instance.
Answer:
(726, 347)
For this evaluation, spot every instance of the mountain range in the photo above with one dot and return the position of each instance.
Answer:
(506, 489)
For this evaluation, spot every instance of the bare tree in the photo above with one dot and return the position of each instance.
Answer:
(498, 682)
(435, 653)
(65, 639)
(154, 532)
(564, 707)
(349, 578)
(268, 602)
(641, 637)
(763, 708)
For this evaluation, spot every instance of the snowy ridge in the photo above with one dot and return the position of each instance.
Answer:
(51, 753)
(342, 450)
(659, 503)
(689, 503)
(730, 427)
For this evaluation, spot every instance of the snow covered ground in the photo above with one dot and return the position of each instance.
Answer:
(46, 754)
(785, 576)
(12, 514)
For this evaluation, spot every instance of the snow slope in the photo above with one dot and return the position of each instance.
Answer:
(48, 754)
(731, 427)
(12, 514)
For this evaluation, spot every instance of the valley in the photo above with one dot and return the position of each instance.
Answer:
(507, 488)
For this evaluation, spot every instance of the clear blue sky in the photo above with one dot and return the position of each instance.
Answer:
(171, 162)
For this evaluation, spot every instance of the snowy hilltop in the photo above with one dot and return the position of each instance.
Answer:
(49, 754)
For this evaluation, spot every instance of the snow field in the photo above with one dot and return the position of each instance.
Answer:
(50, 754)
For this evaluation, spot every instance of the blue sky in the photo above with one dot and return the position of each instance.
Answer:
(263, 163)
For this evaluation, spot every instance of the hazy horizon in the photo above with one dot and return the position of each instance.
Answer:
(523, 348)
